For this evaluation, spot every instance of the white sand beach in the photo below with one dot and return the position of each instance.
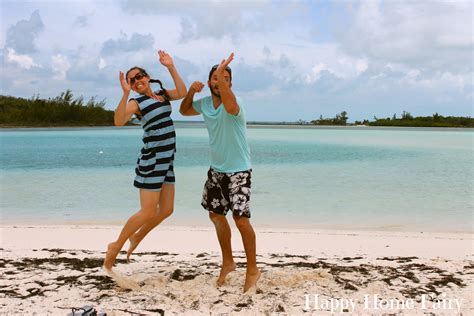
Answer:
(51, 269)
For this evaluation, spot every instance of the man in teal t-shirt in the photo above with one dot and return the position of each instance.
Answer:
(228, 182)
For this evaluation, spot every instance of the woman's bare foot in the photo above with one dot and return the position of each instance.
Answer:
(251, 280)
(112, 252)
(225, 270)
(133, 244)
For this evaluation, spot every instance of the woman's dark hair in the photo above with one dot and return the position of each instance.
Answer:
(165, 93)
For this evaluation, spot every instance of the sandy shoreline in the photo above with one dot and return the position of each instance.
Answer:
(51, 268)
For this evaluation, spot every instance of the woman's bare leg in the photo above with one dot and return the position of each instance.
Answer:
(166, 207)
(149, 201)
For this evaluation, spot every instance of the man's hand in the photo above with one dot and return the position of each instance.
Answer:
(224, 63)
(165, 59)
(186, 107)
(196, 86)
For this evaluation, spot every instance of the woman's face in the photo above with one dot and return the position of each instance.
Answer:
(139, 81)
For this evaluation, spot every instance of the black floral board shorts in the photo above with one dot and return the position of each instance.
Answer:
(227, 191)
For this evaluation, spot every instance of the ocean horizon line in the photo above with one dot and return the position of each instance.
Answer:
(250, 124)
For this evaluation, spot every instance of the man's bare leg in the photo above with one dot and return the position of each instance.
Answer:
(249, 241)
(224, 236)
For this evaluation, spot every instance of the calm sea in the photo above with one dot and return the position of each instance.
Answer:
(342, 178)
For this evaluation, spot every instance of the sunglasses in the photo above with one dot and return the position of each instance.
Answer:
(138, 76)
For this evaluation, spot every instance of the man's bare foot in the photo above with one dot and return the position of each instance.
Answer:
(133, 244)
(251, 280)
(112, 252)
(225, 270)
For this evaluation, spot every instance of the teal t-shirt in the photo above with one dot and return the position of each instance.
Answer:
(229, 149)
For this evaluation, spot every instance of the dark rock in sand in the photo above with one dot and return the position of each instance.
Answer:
(158, 310)
(4, 262)
(398, 259)
(349, 286)
(195, 305)
(179, 276)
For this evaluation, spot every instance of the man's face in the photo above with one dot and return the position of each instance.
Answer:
(214, 87)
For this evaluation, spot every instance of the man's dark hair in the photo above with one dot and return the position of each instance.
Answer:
(214, 68)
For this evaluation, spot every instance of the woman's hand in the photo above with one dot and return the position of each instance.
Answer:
(165, 59)
(126, 87)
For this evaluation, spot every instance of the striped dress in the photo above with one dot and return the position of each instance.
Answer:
(155, 161)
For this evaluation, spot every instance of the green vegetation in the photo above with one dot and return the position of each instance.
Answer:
(62, 110)
(340, 119)
(435, 120)
(406, 120)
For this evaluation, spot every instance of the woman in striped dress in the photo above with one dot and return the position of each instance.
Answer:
(154, 170)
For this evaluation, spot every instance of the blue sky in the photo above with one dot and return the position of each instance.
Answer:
(293, 59)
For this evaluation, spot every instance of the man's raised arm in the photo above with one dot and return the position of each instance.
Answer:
(227, 96)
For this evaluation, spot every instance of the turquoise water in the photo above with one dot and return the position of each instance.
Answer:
(343, 178)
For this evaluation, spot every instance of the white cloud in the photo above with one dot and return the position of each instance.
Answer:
(21, 36)
(124, 44)
(209, 19)
(435, 83)
(24, 61)
(315, 73)
(361, 65)
(102, 63)
(81, 21)
(60, 66)
(435, 35)
(440, 82)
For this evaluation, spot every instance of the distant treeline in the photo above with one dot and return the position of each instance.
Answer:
(406, 119)
(435, 120)
(62, 110)
(340, 119)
